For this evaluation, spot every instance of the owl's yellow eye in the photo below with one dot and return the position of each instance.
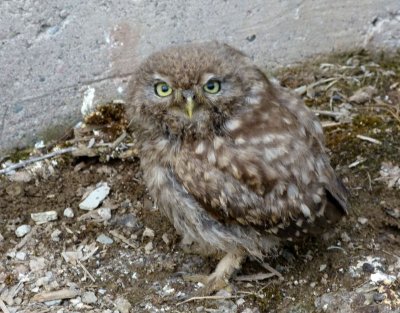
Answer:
(212, 86)
(162, 89)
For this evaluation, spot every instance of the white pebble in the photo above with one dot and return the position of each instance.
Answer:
(94, 199)
(104, 213)
(148, 232)
(22, 230)
(105, 240)
(55, 235)
(68, 212)
(362, 220)
(89, 297)
(148, 247)
(20, 255)
(44, 217)
(123, 305)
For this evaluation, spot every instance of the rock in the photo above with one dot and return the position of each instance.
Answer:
(44, 217)
(104, 213)
(37, 264)
(166, 239)
(89, 297)
(379, 297)
(14, 190)
(105, 240)
(368, 268)
(20, 255)
(123, 305)
(148, 232)
(94, 198)
(1, 238)
(148, 247)
(68, 212)
(22, 230)
(362, 220)
(128, 220)
(53, 302)
(21, 177)
(55, 235)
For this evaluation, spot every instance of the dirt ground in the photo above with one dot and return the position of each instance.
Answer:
(138, 266)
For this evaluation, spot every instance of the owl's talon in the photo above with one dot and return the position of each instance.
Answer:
(211, 283)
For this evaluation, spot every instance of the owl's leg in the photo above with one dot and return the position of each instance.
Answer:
(223, 272)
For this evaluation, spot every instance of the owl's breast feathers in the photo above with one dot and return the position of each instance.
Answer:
(270, 172)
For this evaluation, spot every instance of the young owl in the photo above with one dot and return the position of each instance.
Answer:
(236, 163)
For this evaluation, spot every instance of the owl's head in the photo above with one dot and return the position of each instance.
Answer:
(193, 90)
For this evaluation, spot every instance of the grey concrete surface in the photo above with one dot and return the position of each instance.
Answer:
(56, 55)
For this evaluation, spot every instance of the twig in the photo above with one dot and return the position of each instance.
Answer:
(3, 307)
(336, 248)
(272, 270)
(207, 298)
(326, 124)
(369, 139)
(86, 271)
(55, 295)
(36, 159)
(122, 238)
(357, 162)
(328, 113)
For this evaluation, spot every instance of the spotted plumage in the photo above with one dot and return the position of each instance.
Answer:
(235, 162)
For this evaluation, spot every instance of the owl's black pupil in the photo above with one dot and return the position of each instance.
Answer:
(164, 88)
(210, 85)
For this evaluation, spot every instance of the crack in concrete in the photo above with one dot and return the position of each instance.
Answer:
(83, 84)
(3, 120)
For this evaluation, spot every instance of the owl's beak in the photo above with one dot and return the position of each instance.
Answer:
(189, 106)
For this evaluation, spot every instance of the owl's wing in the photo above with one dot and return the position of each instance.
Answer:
(271, 174)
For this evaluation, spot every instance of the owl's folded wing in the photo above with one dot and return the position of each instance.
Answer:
(236, 184)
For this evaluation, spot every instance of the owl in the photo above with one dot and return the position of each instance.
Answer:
(235, 162)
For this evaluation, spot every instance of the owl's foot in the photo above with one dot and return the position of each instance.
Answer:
(219, 279)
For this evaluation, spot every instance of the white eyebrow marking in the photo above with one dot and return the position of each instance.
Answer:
(163, 78)
(206, 77)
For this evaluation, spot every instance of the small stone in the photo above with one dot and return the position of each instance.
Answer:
(379, 297)
(21, 177)
(14, 190)
(322, 267)
(55, 235)
(20, 255)
(94, 198)
(148, 232)
(200, 309)
(68, 212)
(166, 239)
(1, 238)
(37, 264)
(148, 247)
(105, 240)
(89, 297)
(363, 95)
(362, 220)
(345, 237)
(22, 230)
(240, 301)
(44, 217)
(368, 268)
(104, 213)
(123, 305)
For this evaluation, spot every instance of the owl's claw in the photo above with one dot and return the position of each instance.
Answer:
(211, 283)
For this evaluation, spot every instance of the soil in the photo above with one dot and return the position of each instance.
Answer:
(151, 278)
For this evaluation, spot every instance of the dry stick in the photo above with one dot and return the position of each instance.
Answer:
(3, 307)
(55, 295)
(86, 271)
(207, 298)
(272, 270)
(36, 159)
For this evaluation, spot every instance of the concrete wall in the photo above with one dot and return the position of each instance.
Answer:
(57, 54)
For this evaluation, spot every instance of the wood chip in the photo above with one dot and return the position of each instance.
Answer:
(55, 295)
